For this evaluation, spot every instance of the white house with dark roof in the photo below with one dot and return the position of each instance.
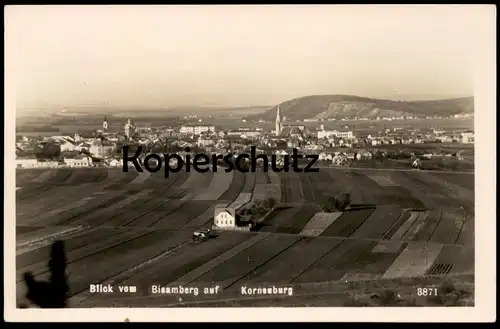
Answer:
(225, 217)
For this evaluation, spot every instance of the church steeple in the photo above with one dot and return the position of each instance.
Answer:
(105, 125)
(278, 125)
(129, 129)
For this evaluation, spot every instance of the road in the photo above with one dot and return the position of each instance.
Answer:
(389, 169)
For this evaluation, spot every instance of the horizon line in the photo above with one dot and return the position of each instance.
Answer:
(199, 106)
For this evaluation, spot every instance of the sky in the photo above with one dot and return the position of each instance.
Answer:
(167, 56)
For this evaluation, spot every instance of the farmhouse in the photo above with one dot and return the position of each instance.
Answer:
(227, 219)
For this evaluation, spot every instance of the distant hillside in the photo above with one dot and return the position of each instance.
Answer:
(345, 106)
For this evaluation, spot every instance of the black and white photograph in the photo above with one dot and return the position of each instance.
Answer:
(207, 157)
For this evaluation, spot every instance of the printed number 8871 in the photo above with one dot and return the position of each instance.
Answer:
(427, 292)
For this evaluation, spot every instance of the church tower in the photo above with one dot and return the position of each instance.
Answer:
(278, 124)
(105, 125)
(129, 128)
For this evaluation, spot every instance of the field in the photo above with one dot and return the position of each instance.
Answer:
(134, 229)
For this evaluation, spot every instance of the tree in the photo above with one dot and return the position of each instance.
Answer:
(270, 203)
(49, 151)
(254, 211)
(343, 201)
(281, 144)
(329, 204)
(378, 156)
(338, 203)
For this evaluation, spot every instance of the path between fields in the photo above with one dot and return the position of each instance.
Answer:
(388, 169)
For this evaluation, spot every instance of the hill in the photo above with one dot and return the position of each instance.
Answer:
(346, 106)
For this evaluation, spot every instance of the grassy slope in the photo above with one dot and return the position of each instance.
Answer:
(341, 106)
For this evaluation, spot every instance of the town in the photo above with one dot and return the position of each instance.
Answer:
(391, 147)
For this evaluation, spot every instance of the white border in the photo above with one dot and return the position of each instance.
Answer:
(485, 270)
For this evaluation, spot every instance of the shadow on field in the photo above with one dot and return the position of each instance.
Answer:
(360, 206)
(52, 294)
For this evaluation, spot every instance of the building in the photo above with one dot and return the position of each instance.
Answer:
(105, 125)
(66, 146)
(225, 217)
(336, 133)
(114, 163)
(196, 129)
(129, 129)
(468, 137)
(48, 164)
(77, 138)
(205, 142)
(250, 134)
(28, 162)
(78, 161)
(101, 149)
(301, 127)
(35, 163)
(291, 132)
(416, 163)
(363, 155)
(83, 147)
(322, 156)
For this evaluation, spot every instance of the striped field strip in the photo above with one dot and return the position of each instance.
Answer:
(219, 184)
(417, 225)
(404, 228)
(319, 222)
(415, 260)
(141, 177)
(199, 271)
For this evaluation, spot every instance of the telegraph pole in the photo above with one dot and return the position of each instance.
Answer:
(248, 272)
(425, 257)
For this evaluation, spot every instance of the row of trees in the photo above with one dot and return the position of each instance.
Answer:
(339, 202)
(258, 208)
